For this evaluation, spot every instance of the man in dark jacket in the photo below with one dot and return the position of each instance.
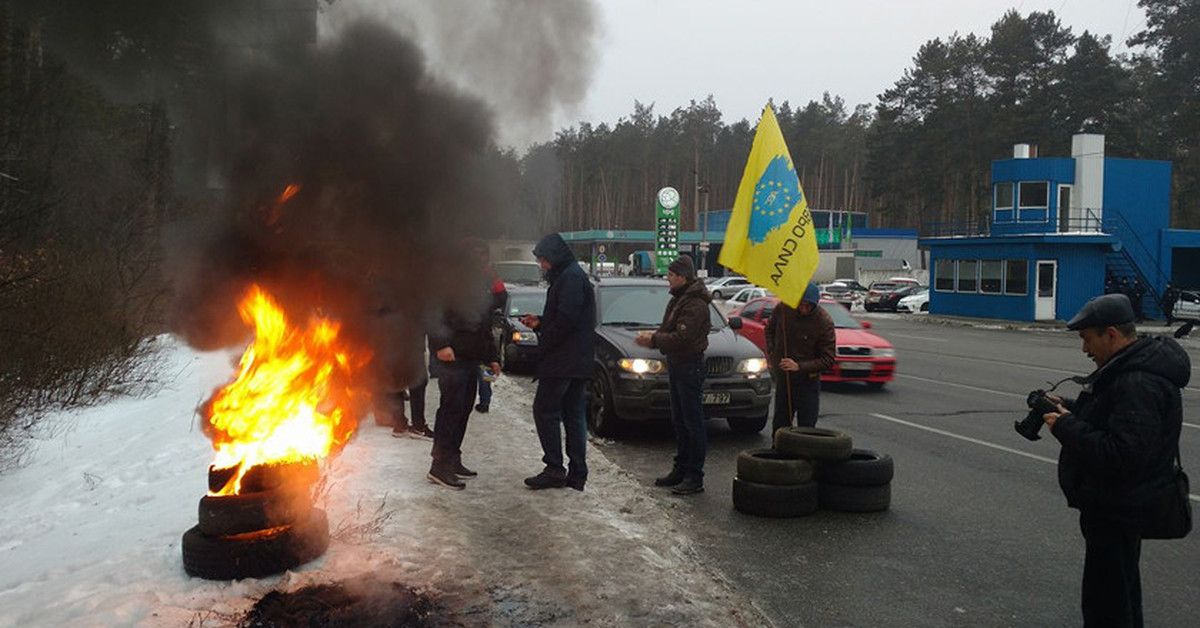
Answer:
(683, 338)
(1119, 443)
(566, 350)
(459, 346)
(801, 343)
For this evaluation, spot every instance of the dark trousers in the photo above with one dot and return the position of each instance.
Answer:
(457, 382)
(560, 401)
(1112, 584)
(685, 381)
(416, 399)
(804, 402)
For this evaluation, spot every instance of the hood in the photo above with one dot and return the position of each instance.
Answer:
(555, 250)
(860, 338)
(721, 342)
(1159, 355)
(695, 288)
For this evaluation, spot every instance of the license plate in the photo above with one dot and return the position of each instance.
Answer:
(715, 398)
(856, 367)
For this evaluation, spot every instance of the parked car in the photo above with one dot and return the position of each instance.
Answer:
(843, 293)
(888, 301)
(744, 295)
(1187, 306)
(853, 283)
(880, 288)
(861, 355)
(518, 344)
(516, 272)
(630, 384)
(915, 302)
(724, 287)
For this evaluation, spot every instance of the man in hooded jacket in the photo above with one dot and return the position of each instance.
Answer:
(1119, 439)
(683, 339)
(801, 342)
(566, 352)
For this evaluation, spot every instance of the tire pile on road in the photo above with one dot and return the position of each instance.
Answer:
(810, 468)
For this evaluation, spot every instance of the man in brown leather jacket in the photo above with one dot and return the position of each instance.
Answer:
(801, 343)
(683, 338)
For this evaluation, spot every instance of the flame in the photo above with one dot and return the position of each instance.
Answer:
(295, 395)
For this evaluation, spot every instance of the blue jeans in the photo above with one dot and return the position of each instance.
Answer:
(561, 400)
(457, 382)
(685, 381)
(485, 391)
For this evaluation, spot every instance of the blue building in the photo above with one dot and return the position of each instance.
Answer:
(1061, 231)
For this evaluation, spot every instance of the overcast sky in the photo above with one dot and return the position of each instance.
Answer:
(668, 52)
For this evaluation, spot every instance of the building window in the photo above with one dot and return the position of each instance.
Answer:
(1004, 195)
(968, 274)
(943, 275)
(1034, 194)
(991, 276)
(1016, 277)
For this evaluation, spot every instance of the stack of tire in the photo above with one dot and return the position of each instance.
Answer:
(268, 527)
(810, 468)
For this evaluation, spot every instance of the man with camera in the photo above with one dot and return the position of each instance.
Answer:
(1119, 440)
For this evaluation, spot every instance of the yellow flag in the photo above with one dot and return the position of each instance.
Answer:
(770, 238)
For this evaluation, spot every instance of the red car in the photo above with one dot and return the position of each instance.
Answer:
(861, 355)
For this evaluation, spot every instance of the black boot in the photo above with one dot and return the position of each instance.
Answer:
(445, 478)
(689, 486)
(671, 479)
(545, 479)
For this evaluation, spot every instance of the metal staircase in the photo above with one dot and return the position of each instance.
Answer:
(1120, 264)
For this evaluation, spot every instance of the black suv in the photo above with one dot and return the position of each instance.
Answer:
(630, 384)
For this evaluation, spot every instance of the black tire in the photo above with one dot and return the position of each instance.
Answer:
(251, 512)
(813, 443)
(864, 468)
(255, 555)
(716, 294)
(747, 425)
(266, 477)
(766, 500)
(925, 306)
(841, 498)
(767, 466)
(601, 414)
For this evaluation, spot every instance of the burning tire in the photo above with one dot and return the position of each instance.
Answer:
(249, 512)
(767, 466)
(813, 443)
(266, 477)
(256, 554)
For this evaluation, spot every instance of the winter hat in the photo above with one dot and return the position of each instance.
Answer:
(812, 294)
(1109, 310)
(684, 267)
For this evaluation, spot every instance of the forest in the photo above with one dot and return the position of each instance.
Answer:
(92, 185)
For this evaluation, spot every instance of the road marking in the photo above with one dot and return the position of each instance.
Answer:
(890, 335)
(994, 392)
(1192, 496)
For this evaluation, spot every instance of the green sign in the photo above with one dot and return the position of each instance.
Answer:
(666, 229)
(859, 253)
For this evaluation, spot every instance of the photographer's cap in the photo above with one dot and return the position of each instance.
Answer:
(1103, 311)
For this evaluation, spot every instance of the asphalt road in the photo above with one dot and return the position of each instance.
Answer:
(978, 533)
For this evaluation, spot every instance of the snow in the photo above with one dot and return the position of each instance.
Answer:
(91, 524)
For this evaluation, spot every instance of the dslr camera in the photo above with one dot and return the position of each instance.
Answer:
(1031, 425)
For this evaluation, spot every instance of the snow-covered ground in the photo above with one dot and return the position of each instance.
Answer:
(90, 526)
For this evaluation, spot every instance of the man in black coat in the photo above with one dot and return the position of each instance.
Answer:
(459, 346)
(566, 353)
(1119, 443)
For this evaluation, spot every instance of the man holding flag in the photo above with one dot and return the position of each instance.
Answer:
(771, 241)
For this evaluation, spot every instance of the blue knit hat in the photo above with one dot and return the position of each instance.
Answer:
(812, 294)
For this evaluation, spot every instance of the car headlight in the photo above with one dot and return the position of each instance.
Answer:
(523, 336)
(753, 366)
(641, 366)
(884, 353)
